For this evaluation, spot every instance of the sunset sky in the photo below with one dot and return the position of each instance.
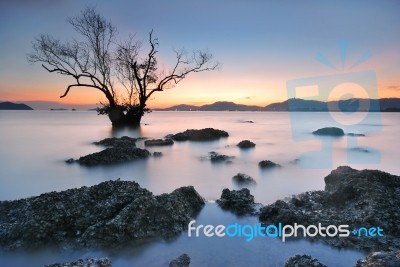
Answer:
(261, 45)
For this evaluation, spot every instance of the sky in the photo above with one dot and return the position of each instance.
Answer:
(261, 45)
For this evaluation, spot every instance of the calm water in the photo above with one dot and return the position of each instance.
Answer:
(35, 144)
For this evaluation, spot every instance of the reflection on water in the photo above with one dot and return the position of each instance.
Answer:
(35, 144)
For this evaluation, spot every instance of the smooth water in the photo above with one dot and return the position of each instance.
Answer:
(35, 144)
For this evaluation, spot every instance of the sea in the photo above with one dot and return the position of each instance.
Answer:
(34, 146)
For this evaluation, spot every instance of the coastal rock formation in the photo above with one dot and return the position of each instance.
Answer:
(381, 259)
(365, 199)
(266, 164)
(329, 131)
(102, 262)
(239, 202)
(159, 142)
(215, 157)
(242, 178)
(114, 155)
(303, 261)
(246, 144)
(114, 141)
(110, 214)
(182, 261)
(206, 134)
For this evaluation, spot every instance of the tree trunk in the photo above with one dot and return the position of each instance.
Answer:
(119, 117)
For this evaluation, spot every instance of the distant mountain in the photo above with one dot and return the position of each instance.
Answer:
(14, 106)
(297, 104)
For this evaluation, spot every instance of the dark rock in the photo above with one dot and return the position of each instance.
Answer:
(114, 141)
(239, 202)
(102, 262)
(248, 121)
(182, 261)
(360, 149)
(355, 134)
(207, 134)
(246, 144)
(69, 161)
(366, 198)
(114, 155)
(111, 214)
(215, 157)
(265, 164)
(330, 131)
(242, 178)
(159, 142)
(303, 261)
(381, 259)
(157, 154)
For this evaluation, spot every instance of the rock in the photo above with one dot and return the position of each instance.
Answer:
(242, 178)
(114, 141)
(366, 198)
(355, 134)
(111, 214)
(114, 155)
(182, 261)
(239, 202)
(215, 157)
(246, 144)
(69, 161)
(102, 262)
(381, 259)
(360, 149)
(303, 261)
(330, 131)
(266, 164)
(159, 142)
(157, 154)
(207, 134)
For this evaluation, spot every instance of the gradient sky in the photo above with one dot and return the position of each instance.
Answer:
(261, 44)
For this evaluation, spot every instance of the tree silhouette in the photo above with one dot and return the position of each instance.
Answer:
(126, 78)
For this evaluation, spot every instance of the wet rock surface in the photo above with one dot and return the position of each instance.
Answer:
(381, 259)
(114, 141)
(246, 144)
(159, 142)
(215, 157)
(182, 261)
(108, 215)
(114, 155)
(355, 134)
(240, 202)
(366, 198)
(102, 262)
(243, 179)
(303, 261)
(329, 131)
(206, 134)
(267, 164)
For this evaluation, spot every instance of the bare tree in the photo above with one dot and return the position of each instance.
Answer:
(94, 60)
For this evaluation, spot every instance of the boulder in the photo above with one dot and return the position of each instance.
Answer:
(111, 214)
(215, 157)
(381, 259)
(207, 134)
(157, 154)
(114, 141)
(242, 178)
(182, 261)
(246, 144)
(366, 198)
(329, 131)
(303, 261)
(114, 155)
(266, 164)
(102, 262)
(159, 142)
(239, 202)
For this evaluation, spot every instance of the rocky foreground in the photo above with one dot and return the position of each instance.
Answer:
(367, 198)
(108, 215)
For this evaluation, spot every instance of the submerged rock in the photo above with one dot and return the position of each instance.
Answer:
(182, 261)
(114, 155)
(102, 262)
(108, 215)
(215, 157)
(266, 164)
(207, 134)
(246, 144)
(239, 202)
(366, 198)
(355, 134)
(114, 141)
(381, 259)
(157, 154)
(242, 178)
(329, 131)
(303, 261)
(159, 142)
